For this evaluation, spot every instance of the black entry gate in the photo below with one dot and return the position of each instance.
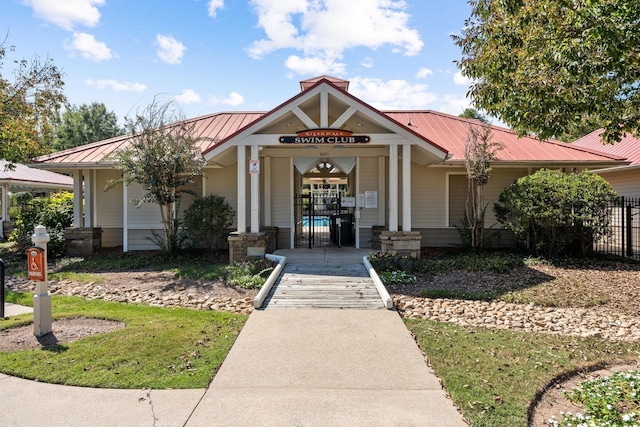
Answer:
(322, 222)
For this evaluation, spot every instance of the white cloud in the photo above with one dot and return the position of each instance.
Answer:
(454, 104)
(170, 50)
(67, 13)
(89, 47)
(367, 62)
(213, 7)
(188, 96)
(314, 65)
(234, 99)
(423, 73)
(326, 28)
(461, 80)
(391, 94)
(116, 85)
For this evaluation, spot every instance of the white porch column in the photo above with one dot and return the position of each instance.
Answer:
(5, 203)
(242, 190)
(255, 192)
(89, 184)
(204, 184)
(5, 208)
(125, 217)
(78, 221)
(292, 192)
(382, 190)
(406, 187)
(358, 208)
(266, 173)
(393, 188)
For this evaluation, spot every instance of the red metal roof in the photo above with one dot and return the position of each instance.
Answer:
(445, 132)
(450, 132)
(24, 175)
(628, 147)
(211, 129)
(339, 83)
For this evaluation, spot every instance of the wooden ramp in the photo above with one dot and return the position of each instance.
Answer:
(324, 286)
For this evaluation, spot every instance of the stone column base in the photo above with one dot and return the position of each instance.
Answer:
(83, 241)
(403, 243)
(245, 246)
(375, 237)
(272, 238)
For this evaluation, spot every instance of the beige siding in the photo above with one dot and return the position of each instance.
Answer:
(458, 194)
(139, 240)
(368, 167)
(222, 182)
(438, 200)
(500, 179)
(141, 220)
(626, 183)
(109, 210)
(186, 199)
(365, 237)
(428, 197)
(444, 237)
(284, 238)
(111, 237)
(281, 198)
(145, 217)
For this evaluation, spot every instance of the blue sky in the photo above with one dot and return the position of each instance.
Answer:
(243, 55)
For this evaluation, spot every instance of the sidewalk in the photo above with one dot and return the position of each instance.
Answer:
(325, 367)
(313, 367)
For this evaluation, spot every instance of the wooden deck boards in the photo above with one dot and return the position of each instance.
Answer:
(324, 286)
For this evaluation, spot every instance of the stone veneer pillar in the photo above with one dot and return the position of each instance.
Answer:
(83, 241)
(403, 243)
(243, 246)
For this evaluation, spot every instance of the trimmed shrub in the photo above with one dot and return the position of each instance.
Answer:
(55, 213)
(556, 214)
(207, 221)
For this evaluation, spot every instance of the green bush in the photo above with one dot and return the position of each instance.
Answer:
(55, 213)
(554, 214)
(397, 277)
(208, 219)
(382, 262)
(250, 274)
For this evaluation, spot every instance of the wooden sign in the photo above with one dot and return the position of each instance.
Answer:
(35, 264)
(325, 136)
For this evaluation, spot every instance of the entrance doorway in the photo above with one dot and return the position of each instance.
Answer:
(322, 219)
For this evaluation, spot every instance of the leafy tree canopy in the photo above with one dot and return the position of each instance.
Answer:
(555, 67)
(472, 113)
(83, 124)
(28, 101)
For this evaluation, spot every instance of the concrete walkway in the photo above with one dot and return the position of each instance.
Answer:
(325, 367)
(296, 367)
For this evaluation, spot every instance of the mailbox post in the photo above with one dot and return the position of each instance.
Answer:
(37, 268)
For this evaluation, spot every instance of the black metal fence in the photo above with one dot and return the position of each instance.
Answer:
(623, 238)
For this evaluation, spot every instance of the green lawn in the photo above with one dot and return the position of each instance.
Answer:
(158, 348)
(494, 375)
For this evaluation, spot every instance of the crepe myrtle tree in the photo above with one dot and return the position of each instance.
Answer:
(161, 155)
(479, 150)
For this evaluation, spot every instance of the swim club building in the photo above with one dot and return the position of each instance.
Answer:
(323, 168)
